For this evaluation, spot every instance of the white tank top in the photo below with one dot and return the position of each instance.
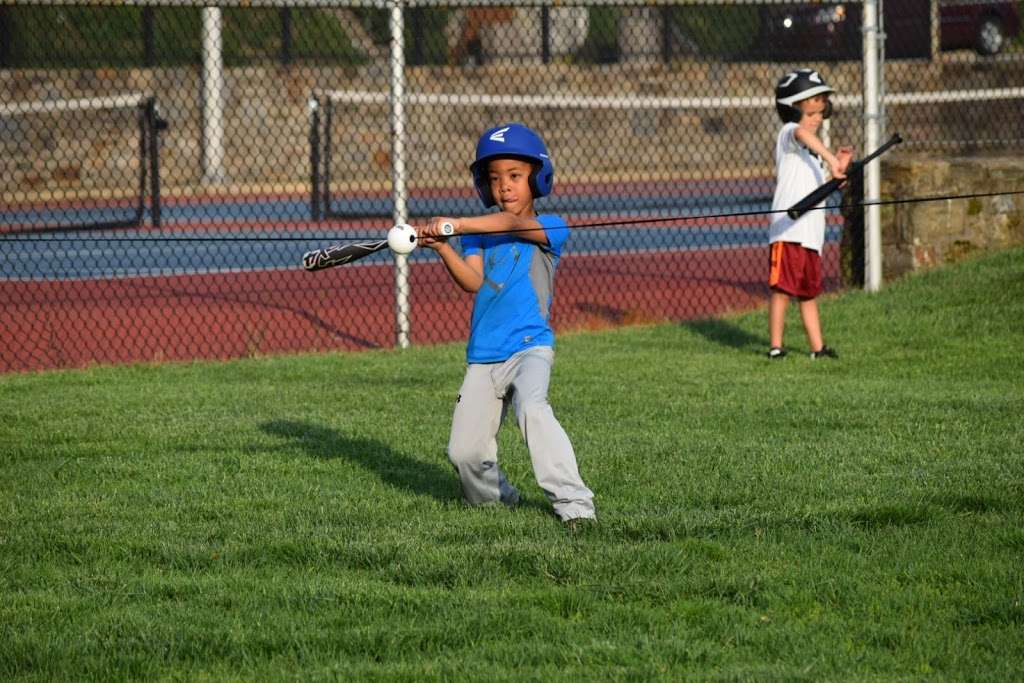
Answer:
(798, 172)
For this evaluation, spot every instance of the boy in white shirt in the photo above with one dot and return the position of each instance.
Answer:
(802, 101)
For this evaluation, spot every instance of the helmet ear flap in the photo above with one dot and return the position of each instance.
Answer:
(788, 113)
(539, 183)
(534, 187)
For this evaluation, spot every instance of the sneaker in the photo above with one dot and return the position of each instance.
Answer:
(776, 352)
(825, 352)
(510, 497)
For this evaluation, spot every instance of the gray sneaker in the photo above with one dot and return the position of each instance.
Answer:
(510, 498)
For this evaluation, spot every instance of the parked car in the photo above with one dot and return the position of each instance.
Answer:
(833, 30)
(984, 26)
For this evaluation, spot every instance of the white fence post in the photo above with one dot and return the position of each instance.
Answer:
(872, 121)
(213, 98)
(398, 176)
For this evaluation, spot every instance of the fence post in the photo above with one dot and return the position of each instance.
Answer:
(667, 17)
(213, 101)
(6, 34)
(286, 35)
(327, 161)
(851, 243)
(148, 38)
(156, 126)
(545, 34)
(314, 157)
(419, 18)
(872, 176)
(398, 178)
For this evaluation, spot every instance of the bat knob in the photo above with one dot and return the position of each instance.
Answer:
(447, 229)
(311, 259)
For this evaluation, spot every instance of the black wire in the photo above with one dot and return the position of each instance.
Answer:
(599, 224)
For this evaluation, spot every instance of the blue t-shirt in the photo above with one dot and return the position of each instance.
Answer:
(511, 308)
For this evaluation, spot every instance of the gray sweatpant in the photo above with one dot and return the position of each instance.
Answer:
(486, 392)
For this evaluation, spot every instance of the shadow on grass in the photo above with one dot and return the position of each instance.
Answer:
(726, 334)
(970, 503)
(888, 516)
(394, 468)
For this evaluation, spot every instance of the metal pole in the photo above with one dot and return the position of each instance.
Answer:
(213, 99)
(872, 175)
(156, 125)
(6, 32)
(314, 157)
(667, 19)
(401, 212)
(545, 34)
(935, 33)
(286, 35)
(148, 38)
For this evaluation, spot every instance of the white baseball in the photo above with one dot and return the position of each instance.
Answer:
(402, 238)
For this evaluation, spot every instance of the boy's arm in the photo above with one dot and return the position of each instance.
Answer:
(467, 272)
(526, 227)
(809, 140)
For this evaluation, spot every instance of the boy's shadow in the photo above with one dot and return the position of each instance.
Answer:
(397, 469)
(724, 333)
(394, 468)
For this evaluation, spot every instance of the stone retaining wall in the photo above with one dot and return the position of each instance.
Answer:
(924, 234)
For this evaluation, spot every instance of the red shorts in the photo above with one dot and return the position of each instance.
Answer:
(795, 270)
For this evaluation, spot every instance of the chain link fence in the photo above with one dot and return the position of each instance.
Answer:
(163, 168)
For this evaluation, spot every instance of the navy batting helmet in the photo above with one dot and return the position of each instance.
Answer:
(516, 141)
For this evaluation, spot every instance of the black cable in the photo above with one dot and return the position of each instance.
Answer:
(599, 224)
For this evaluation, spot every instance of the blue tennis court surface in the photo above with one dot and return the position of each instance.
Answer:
(674, 198)
(120, 254)
(210, 236)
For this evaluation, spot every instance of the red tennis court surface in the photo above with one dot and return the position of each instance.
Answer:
(67, 324)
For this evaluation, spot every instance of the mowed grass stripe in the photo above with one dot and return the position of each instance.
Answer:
(285, 518)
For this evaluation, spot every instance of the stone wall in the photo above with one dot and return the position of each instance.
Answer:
(920, 235)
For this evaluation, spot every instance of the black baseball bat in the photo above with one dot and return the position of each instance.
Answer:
(820, 194)
(339, 255)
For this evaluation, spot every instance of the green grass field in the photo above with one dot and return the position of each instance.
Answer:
(296, 518)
